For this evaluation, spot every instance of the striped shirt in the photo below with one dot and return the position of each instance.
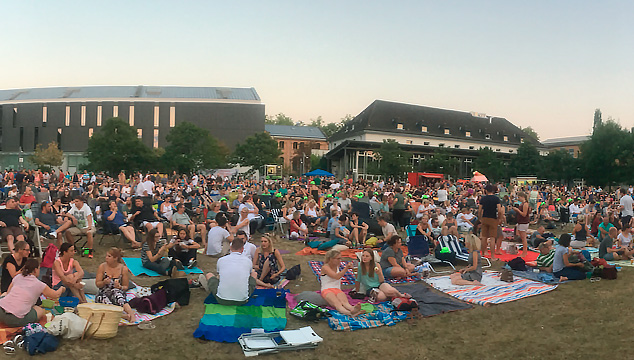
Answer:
(546, 260)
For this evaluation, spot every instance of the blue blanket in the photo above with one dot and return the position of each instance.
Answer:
(383, 315)
(546, 278)
(136, 268)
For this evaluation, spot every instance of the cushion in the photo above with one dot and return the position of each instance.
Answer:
(339, 247)
(91, 287)
(327, 245)
(311, 297)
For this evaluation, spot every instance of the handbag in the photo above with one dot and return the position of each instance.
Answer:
(506, 275)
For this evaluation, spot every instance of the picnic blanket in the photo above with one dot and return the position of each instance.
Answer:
(136, 268)
(7, 333)
(381, 316)
(292, 302)
(621, 263)
(349, 279)
(546, 278)
(131, 294)
(350, 253)
(431, 303)
(506, 257)
(494, 290)
(266, 309)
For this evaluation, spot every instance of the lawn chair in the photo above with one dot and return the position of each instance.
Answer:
(452, 243)
(418, 247)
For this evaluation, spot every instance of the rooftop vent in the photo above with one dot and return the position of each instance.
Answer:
(223, 93)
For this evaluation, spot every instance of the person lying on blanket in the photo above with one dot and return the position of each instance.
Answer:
(472, 274)
(236, 278)
(546, 256)
(393, 262)
(331, 284)
(112, 280)
(371, 282)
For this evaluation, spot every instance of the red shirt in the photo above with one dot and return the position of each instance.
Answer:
(27, 199)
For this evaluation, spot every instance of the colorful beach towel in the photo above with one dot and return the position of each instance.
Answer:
(292, 302)
(131, 294)
(350, 253)
(136, 268)
(349, 279)
(266, 309)
(531, 256)
(494, 290)
(381, 316)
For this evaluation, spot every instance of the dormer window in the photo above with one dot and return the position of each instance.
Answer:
(471, 147)
(487, 136)
(408, 142)
(352, 127)
(447, 132)
(467, 133)
(399, 126)
(457, 146)
(506, 138)
(441, 145)
(423, 128)
(426, 143)
(498, 150)
(521, 139)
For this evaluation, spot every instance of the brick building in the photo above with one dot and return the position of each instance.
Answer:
(297, 143)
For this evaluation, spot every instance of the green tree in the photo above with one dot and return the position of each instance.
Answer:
(530, 132)
(49, 157)
(441, 162)
(257, 150)
(393, 161)
(527, 161)
(191, 148)
(318, 162)
(560, 165)
(279, 119)
(116, 147)
(330, 128)
(489, 164)
(607, 157)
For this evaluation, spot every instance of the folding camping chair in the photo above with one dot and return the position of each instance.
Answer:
(452, 243)
(418, 247)
(254, 344)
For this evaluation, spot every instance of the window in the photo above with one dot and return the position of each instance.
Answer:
(21, 138)
(99, 110)
(281, 145)
(441, 145)
(295, 145)
(115, 110)
(15, 116)
(83, 115)
(399, 126)
(44, 115)
(510, 150)
(467, 133)
(156, 139)
(172, 116)
(36, 137)
(139, 133)
(571, 152)
(409, 142)
(131, 115)
(447, 132)
(426, 143)
(423, 128)
(457, 146)
(506, 138)
(487, 136)
(67, 118)
(317, 146)
(498, 150)
(90, 132)
(521, 139)
(59, 138)
(156, 116)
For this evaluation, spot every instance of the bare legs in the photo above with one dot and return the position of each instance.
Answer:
(456, 279)
(340, 302)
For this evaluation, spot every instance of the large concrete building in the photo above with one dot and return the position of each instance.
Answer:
(70, 115)
(297, 144)
(421, 131)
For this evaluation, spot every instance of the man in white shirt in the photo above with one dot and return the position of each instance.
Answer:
(344, 202)
(81, 216)
(218, 238)
(574, 208)
(249, 248)
(236, 278)
(442, 194)
(625, 205)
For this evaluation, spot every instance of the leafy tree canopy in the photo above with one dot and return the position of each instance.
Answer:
(47, 157)
(489, 164)
(393, 161)
(191, 148)
(279, 119)
(257, 150)
(530, 132)
(608, 156)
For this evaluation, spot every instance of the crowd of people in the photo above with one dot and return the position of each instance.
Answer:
(169, 218)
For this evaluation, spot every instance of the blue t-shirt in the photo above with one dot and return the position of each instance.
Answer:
(118, 218)
(333, 223)
(558, 261)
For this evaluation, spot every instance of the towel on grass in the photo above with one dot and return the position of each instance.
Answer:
(292, 301)
(349, 279)
(431, 303)
(136, 268)
(546, 278)
(131, 294)
(350, 253)
(506, 257)
(494, 290)
(266, 309)
(381, 316)
(621, 263)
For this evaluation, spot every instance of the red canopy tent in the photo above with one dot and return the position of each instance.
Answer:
(413, 178)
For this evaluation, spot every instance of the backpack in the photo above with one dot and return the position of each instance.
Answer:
(175, 290)
(294, 272)
(150, 304)
(50, 253)
(517, 264)
(404, 304)
(309, 311)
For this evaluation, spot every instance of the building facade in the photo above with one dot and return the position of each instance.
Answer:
(297, 144)
(71, 115)
(570, 144)
(421, 131)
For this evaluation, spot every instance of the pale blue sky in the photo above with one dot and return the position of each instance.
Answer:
(547, 64)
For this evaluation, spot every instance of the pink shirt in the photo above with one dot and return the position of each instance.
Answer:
(23, 294)
(67, 271)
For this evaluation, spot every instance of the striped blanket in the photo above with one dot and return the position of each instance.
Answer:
(382, 316)
(131, 294)
(266, 309)
(349, 279)
(494, 290)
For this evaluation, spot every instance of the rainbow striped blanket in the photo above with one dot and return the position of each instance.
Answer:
(494, 290)
(266, 309)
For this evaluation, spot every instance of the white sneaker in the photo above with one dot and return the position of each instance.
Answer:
(202, 279)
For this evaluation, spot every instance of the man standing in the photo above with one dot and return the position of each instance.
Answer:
(625, 205)
(489, 211)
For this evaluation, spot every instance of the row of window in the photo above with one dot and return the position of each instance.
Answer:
(426, 143)
(447, 131)
(297, 145)
(115, 113)
(36, 137)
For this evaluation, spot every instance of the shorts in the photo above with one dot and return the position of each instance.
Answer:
(214, 281)
(472, 276)
(522, 227)
(77, 231)
(609, 256)
(489, 227)
(153, 223)
(331, 291)
(15, 231)
(387, 272)
(625, 220)
(13, 321)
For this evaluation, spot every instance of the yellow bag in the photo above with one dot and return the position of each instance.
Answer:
(372, 241)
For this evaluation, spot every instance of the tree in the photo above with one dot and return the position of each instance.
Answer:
(393, 161)
(597, 118)
(530, 132)
(49, 157)
(330, 128)
(560, 165)
(527, 161)
(191, 148)
(116, 147)
(279, 119)
(318, 162)
(257, 150)
(607, 157)
(489, 164)
(441, 162)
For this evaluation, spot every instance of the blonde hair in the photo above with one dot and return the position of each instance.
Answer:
(331, 254)
(116, 253)
(269, 237)
(473, 242)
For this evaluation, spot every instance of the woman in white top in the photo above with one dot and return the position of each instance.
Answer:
(288, 210)
(243, 221)
(331, 284)
(312, 212)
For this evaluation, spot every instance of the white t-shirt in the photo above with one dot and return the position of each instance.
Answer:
(185, 242)
(149, 187)
(462, 219)
(345, 204)
(625, 240)
(215, 237)
(626, 201)
(388, 228)
(81, 215)
(442, 195)
(574, 209)
(249, 250)
(234, 271)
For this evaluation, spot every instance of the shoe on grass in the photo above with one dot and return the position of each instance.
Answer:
(192, 264)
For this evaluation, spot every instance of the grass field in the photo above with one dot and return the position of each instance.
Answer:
(577, 320)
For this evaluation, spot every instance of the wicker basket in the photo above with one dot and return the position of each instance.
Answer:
(104, 319)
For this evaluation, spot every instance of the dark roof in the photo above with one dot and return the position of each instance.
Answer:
(132, 92)
(566, 141)
(384, 116)
(304, 132)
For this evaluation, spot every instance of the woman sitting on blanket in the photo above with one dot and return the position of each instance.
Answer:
(18, 307)
(562, 268)
(370, 279)
(268, 262)
(153, 256)
(331, 284)
(112, 280)
(472, 274)
(68, 272)
(393, 262)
